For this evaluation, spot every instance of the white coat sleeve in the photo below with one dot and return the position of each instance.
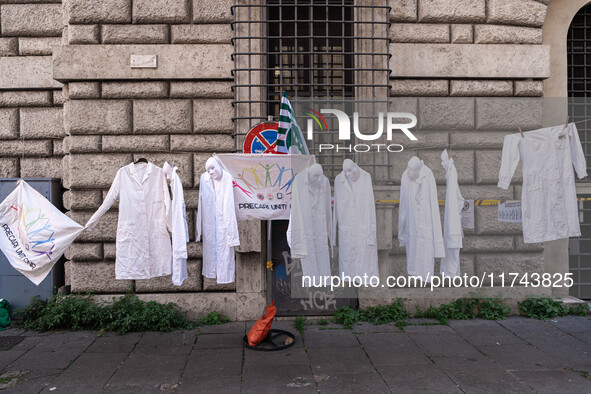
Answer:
(230, 213)
(372, 216)
(577, 154)
(198, 222)
(438, 244)
(107, 203)
(335, 218)
(509, 161)
(167, 203)
(328, 216)
(402, 212)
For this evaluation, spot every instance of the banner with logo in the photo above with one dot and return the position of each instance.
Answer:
(263, 183)
(34, 234)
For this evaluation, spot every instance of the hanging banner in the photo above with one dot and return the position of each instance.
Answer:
(34, 234)
(510, 212)
(262, 183)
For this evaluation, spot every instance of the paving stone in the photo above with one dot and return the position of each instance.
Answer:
(287, 358)
(297, 379)
(39, 360)
(219, 341)
(115, 343)
(330, 338)
(478, 374)
(146, 370)
(370, 382)
(555, 381)
(176, 342)
(33, 383)
(61, 340)
(519, 357)
(442, 344)
(396, 349)
(228, 384)
(213, 363)
(9, 356)
(338, 360)
(236, 327)
(484, 332)
(417, 378)
(365, 327)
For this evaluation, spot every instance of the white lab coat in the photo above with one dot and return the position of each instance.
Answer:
(549, 197)
(180, 230)
(419, 223)
(452, 219)
(216, 216)
(143, 242)
(355, 213)
(310, 225)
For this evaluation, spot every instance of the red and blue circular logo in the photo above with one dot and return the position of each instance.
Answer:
(262, 138)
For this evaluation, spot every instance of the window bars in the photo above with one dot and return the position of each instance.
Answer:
(318, 52)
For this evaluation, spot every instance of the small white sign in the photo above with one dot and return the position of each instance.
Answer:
(144, 61)
(468, 214)
(510, 212)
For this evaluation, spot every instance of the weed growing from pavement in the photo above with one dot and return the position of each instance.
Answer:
(548, 308)
(300, 324)
(322, 322)
(380, 314)
(468, 308)
(212, 319)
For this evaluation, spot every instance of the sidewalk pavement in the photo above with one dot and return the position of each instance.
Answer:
(513, 355)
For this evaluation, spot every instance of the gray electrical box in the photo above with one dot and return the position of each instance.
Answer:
(14, 286)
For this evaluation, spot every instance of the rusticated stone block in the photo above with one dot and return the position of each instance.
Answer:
(419, 87)
(58, 148)
(93, 171)
(194, 249)
(249, 232)
(477, 140)
(161, 11)
(490, 244)
(110, 251)
(201, 34)
(250, 272)
(403, 10)
(183, 161)
(82, 144)
(201, 89)
(419, 32)
(8, 47)
(499, 34)
(106, 11)
(212, 116)
(8, 123)
(17, 148)
(85, 252)
(199, 161)
(212, 11)
(30, 98)
(486, 223)
(82, 199)
(37, 46)
(212, 285)
(452, 11)
(47, 167)
(520, 263)
(481, 88)
(105, 230)
(97, 277)
(135, 34)
(84, 90)
(517, 12)
(8, 167)
(58, 97)
(162, 116)
(41, 123)
(135, 143)
(529, 88)
(509, 113)
(37, 20)
(462, 34)
(198, 305)
(83, 34)
(446, 113)
(191, 198)
(155, 89)
(163, 284)
(98, 117)
(478, 192)
(488, 163)
(521, 246)
(250, 306)
(202, 143)
(27, 72)
(463, 159)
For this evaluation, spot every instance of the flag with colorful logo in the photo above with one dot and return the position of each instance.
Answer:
(290, 138)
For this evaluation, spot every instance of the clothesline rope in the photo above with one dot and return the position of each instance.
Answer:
(476, 202)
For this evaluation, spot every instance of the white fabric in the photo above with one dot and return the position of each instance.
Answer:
(355, 213)
(216, 220)
(419, 223)
(452, 219)
(33, 233)
(549, 197)
(310, 225)
(180, 229)
(143, 242)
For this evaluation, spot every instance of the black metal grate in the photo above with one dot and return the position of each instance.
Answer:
(333, 50)
(580, 254)
(8, 342)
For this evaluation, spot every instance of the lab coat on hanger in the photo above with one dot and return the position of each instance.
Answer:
(179, 230)
(216, 220)
(548, 197)
(419, 223)
(143, 243)
(452, 219)
(355, 213)
(310, 223)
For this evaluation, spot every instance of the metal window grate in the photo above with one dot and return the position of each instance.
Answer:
(333, 50)
(580, 254)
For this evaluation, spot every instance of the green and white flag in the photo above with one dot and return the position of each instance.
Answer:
(289, 135)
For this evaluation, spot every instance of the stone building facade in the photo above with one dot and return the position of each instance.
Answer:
(71, 107)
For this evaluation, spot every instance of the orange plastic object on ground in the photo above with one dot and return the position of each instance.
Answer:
(261, 328)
